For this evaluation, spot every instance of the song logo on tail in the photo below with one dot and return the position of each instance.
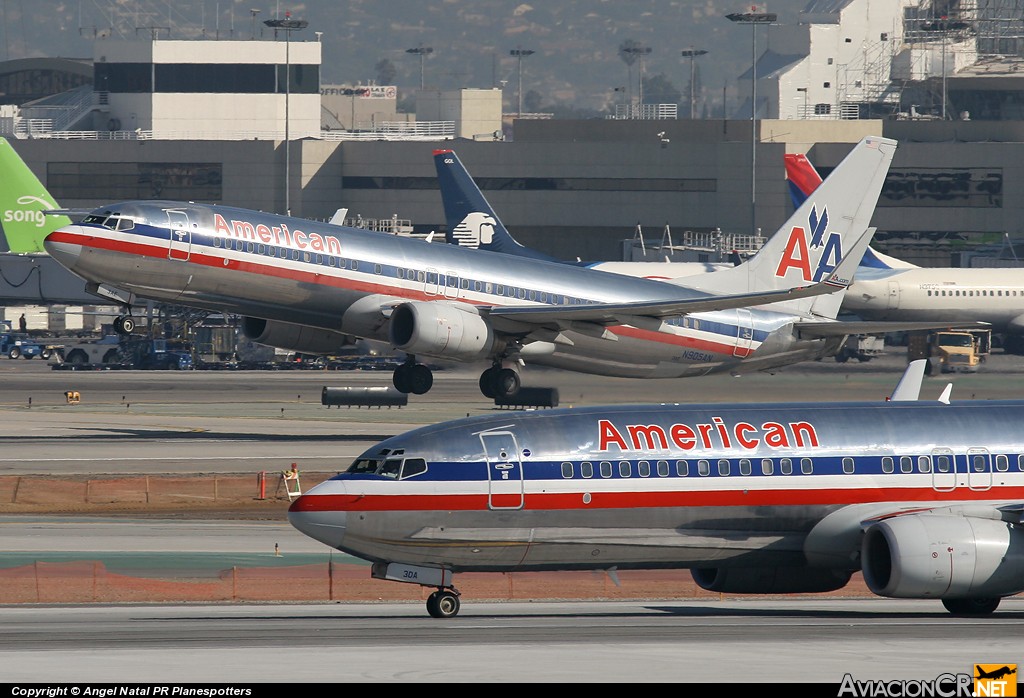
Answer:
(827, 249)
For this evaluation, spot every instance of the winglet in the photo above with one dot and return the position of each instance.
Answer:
(946, 392)
(23, 205)
(909, 386)
(339, 217)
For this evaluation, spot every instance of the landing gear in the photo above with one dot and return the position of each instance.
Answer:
(981, 606)
(412, 377)
(497, 381)
(443, 603)
(124, 325)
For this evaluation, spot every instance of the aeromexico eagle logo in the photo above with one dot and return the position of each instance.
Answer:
(29, 215)
(815, 259)
(475, 229)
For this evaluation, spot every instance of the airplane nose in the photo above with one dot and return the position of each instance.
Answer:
(318, 516)
(61, 245)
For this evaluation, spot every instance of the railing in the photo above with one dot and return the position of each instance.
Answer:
(44, 128)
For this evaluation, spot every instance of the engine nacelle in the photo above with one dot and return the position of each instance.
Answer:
(440, 330)
(300, 338)
(934, 556)
(770, 580)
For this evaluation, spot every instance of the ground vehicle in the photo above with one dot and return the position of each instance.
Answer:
(99, 351)
(20, 344)
(157, 354)
(862, 347)
(950, 351)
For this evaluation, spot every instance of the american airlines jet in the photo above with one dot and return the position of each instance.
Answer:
(312, 286)
(924, 498)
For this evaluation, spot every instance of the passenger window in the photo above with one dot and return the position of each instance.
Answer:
(625, 469)
(806, 466)
(786, 466)
(566, 470)
(887, 465)
(682, 468)
(663, 468)
(744, 466)
(723, 467)
(587, 469)
(848, 466)
(767, 466)
(643, 469)
(924, 464)
(703, 468)
(942, 464)
(906, 464)
(1020, 462)
(413, 467)
(1002, 463)
(980, 463)
(606, 468)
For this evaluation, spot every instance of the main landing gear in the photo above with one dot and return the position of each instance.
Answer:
(124, 325)
(497, 381)
(443, 603)
(412, 377)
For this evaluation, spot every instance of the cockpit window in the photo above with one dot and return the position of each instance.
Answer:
(125, 223)
(392, 468)
(94, 218)
(364, 465)
(413, 467)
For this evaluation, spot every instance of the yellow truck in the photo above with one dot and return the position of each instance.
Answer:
(950, 351)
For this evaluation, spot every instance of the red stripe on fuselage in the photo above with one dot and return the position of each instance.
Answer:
(650, 500)
(322, 279)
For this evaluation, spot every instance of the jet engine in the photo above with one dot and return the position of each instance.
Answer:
(940, 556)
(300, 338)
(441, 330)
(770, 580)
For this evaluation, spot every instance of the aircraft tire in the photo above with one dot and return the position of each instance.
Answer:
(421, 379)
(506, 382)
(443, 604)
(981, 606)
(401, 379)
(487, 381)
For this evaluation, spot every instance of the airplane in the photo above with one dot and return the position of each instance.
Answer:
(923, 497)
(996, 674)
(889, 289)
(312, 287)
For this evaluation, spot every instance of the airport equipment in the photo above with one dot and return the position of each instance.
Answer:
(376, 396)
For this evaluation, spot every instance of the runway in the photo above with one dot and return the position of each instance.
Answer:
(749, 642)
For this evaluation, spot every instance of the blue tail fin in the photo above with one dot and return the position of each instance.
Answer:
(470, 219)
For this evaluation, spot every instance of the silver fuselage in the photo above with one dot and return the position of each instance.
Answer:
(344, 279)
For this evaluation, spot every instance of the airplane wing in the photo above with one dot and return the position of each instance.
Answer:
(69, 212)
(836, 328)
(625, 313)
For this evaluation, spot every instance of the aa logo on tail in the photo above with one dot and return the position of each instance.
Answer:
(816, 259)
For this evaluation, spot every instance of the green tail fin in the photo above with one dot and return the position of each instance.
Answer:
(23, 198)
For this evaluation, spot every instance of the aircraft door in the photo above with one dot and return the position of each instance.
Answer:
(451, 285)
(979, 469)
(944, 470)
(179, 243)
(894, 295)
(504, 470)
(744, 332)
(432, 283)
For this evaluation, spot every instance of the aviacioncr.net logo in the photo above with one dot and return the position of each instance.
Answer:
(29, 215)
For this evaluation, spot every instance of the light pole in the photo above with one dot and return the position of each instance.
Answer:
(753, 19)
(692, 53)
(639, 52)
(287, 25)
(421, 51)
(520, 54)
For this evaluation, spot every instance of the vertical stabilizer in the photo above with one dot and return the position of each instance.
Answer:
(23, 199)
(821, 232)
(470, 219)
